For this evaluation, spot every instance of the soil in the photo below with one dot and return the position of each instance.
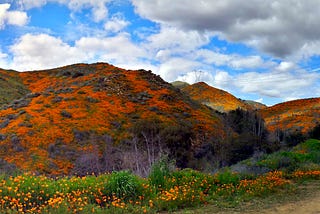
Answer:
(305, 199)
(309, 202)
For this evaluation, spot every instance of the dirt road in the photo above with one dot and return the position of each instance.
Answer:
(306, 204)
(305, 200)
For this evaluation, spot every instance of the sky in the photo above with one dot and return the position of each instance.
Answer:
(266, 51)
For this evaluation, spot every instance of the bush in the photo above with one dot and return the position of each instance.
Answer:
(160, 171)
(315, 133)
(124, 185)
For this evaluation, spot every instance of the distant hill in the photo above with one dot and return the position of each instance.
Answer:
(215, 98)
(254, 104)
(297, 115)
(54, 121)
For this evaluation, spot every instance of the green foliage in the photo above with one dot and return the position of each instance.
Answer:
(294, 159)
(122, 192)
(227, 177)
(315, 132)
(160, 171)
(294, 139)
(11, 87)
(124, 185)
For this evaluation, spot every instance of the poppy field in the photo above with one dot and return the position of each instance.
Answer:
(165, 189)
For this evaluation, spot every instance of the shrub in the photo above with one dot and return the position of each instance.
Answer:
(160, 171)
(66, 114)
(124, 185)
(315, 132)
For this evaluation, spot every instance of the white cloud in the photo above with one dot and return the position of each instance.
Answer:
(222, 79)
(171, 69)
(177, 40)
(197, 76)
(277, 84)
(286, 66)
(281, 28)
(117, 49)
(260, 100)
(28, 4)
(43, 51)
(11, 17)
(116, 24)
(234, 61)
(98, 7)
(247, 62)
(3, 60)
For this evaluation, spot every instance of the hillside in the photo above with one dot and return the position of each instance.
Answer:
(254, 104)
(180, 84)
(215, 98)
(298, 115)
(54, 121)
(12, 87)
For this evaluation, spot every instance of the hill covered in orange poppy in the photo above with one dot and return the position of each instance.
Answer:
(297, 115)
(218, 99)
(52, 121)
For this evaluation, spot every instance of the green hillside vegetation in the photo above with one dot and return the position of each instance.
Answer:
(254, 104)
(11, 87)
(180, 84)
(304, 156)
(166, 188)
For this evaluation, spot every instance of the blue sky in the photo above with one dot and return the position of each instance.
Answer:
(268, 51)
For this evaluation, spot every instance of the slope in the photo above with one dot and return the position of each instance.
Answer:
(215, 98)
(78, 112)
(297, 115)
(11, 87)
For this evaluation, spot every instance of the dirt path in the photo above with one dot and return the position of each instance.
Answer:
(311, 206)
(309, 203)
(305, 200)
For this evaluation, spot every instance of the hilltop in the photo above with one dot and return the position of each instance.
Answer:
(56, 121)
(297, 115)
(217, 99)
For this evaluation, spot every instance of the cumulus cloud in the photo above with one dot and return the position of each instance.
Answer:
(177, 40)
(171, 69)
(277, 84)
(197, 76)
(280, 28)
(8, 17)
(43, 51)
(117, 49)
(234, 61)
(222, 79)
(116, 24)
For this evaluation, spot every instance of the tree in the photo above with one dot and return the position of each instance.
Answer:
(315, 132)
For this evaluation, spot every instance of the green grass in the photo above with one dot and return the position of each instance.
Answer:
(301, 157)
